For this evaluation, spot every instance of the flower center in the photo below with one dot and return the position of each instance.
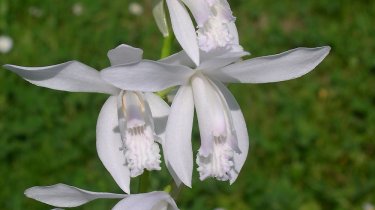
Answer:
(216, 31)
(137, 133)
(219, 163)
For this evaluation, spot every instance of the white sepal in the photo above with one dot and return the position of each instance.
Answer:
(71, 76)
(177, 146)
(184, 29)
(147, 76)
(61, 195)
(275, 68)
(108, 144)
(125, 54)
(147, 201)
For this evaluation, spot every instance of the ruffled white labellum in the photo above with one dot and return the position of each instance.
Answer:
(218, 137)
(137, 133)
(215, 32)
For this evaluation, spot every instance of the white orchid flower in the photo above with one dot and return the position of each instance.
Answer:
(215, 23)
(129, 122)
(224, 137)
(65, 196)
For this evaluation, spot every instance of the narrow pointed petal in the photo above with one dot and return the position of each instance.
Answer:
(125, 54)
(177, 146)
(160, 17)
(71, 76)
(147, 201)
(160, 111)
(200, 10)
(147, 76)
(285, 66)
(184, 29)
(108, 144)
(240, 129)
(61, 195)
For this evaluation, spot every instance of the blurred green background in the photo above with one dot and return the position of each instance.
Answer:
(312, 139)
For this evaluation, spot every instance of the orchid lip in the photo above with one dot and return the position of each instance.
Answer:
(218, 141)
(137, 133)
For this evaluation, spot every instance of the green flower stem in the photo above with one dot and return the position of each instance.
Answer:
(176, 190)
(164, 93)
(167, 43)
(143, 182)
(173, 190)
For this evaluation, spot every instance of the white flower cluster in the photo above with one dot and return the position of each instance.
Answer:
(134, 120)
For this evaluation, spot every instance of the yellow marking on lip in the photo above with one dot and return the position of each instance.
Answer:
(141, 102)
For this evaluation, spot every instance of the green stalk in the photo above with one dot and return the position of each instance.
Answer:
(167, 43)
(176, 190)
(144, 182)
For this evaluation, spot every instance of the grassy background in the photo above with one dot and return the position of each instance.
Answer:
(312, 138)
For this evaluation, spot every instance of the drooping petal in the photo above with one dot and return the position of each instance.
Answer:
(71, 76)
(184, 29)
(274, 68)
(147, 76)
(160, 111)
(125, 54)
(209, 113)
(108, 144)
(218, 139)
(177, 146)
(240, 129)
(200, 10)
(160, 17)
(61, 195)
(147, 201)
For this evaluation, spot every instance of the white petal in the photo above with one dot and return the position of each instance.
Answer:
(180, 58)
(200, 10)
(240, 128)
(125, 54)
(159, 16)
(160, 111)
(274, 68)
(177, 146)
(146, 201)
(70, 76)
(234, 32)
(213, 60)
(210, 113)
(61, 195)
(108, 144)
(147, 76)
(184, 29)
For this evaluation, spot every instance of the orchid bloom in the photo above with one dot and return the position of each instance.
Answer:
(65, 196)
(129, 122)
(215, 23)
(224, 137)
